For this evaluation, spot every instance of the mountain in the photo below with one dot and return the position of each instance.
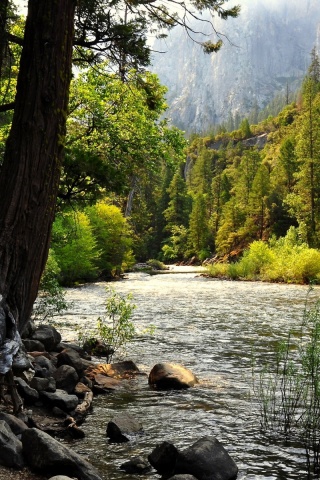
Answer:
(266, 51)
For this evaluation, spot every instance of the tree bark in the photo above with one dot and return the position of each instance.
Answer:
(30, 172)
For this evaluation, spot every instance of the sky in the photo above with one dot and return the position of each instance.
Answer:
(22, 5)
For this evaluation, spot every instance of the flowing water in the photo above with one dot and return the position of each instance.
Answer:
(212, 327)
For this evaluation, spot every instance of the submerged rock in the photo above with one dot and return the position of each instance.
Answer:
(136, 465)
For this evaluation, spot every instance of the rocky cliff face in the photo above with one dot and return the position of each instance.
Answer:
(266, 51)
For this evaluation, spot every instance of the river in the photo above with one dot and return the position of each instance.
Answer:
(212, 327)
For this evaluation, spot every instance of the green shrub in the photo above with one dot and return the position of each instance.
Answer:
(156, 264)
(74, 248)
(255, 261)
(113, 330)
(218, 270)
(286, 259)
(113, 239)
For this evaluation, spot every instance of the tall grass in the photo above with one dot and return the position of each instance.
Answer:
(288, 388)
(284, 260)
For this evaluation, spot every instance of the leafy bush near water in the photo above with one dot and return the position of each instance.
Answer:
(284, 260)
(112, 330)
(91, 243)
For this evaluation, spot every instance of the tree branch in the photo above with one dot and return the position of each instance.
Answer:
(15, 39)
(7, 106)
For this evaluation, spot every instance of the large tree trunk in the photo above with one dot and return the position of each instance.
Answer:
(30, 173)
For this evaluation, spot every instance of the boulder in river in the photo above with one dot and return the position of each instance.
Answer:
(167, 376)
(207, 459)
(46, 455)
(163, 458)
(122, 427)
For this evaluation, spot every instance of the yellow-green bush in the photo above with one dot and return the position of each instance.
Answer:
(284, 260)
(113, 238)
(74, 247)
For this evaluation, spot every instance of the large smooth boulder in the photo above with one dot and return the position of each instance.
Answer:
(166, 376)
(206, 459)
(10, 448)
(122, 427)
(48, 336)
(46, 455)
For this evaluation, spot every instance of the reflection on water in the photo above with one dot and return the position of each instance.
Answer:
(211, 327)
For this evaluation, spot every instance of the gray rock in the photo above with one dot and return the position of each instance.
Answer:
(30, 395)
(16, 425)
(43, 384)
(122, 427)
(66, 378)
(48, 456)
(10, 448)
(47, 335)
(60, 477)
(164, 458)
(207, 459)
(21, 362)
(137, 465)
(183, 476)
(60, 399)
(166, 376)
(44, 365)
(33, 345)
(68, 356)
(29, 329)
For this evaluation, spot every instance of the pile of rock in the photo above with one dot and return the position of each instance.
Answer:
(61, 380)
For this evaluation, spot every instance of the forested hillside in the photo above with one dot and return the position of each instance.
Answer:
(251, 184)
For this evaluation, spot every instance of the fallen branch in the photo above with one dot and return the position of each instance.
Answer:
(83, 407)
